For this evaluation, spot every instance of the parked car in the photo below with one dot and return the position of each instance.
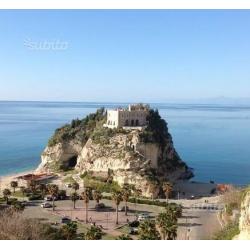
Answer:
(68, 185)
(65, 220)
(46, 205)
(100, 206)
(123, 209)
(133, 230)
(134, 223)
(48, 198)
(143, 216)
(192, 197)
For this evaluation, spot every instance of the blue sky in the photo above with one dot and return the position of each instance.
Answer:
(120, 55)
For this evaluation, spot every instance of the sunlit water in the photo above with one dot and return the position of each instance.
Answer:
(213, 140)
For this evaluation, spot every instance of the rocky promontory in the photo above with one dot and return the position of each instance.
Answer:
(143, 157)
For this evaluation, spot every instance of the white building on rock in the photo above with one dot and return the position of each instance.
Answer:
(135, 116)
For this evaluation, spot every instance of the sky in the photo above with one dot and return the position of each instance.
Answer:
(124, 55)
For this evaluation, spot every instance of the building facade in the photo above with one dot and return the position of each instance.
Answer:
(134, 116)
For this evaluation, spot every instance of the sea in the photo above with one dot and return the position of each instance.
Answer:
(214, 140)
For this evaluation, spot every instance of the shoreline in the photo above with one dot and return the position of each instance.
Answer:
(6, 179)
(196, 188)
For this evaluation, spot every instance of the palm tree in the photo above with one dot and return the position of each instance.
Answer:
(43, 188)
(147, 231)
(32, 185)
(97, 196)
(6, 194)
(94, 233)
(167, 224)
(74, 197)
(117, 198)
(110, 175)
(75, 186)
(86, 196)
(69, 231)
(173, 211)
(167, 189)
(14, 185)
(126, 192)
(137, 193)
(22, 189)
(53, 191)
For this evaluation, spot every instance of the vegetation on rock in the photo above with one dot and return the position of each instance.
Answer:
(79, 129)
(157, 130)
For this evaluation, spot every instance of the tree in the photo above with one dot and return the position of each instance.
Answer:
(6, 194)
(93, 233)
(53, 191)
(69, 231)
(22, 189)
(147, 231)
(97, 196)
(167, 189)
(173, 211)
(62, 194)
(32, 185)
(86, 196)
(126, 192)
(43, 188)
(18, 206)
(124, 237)
(75, 186)
(167, 224)
(15, 226)
(14, 185)
(74, 197)
(110, 175)
(117, 198)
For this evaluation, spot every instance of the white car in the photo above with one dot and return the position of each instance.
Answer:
(143, 216)
(46, 205)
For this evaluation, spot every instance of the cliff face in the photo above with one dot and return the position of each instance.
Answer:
(244, 222)
(135, 157)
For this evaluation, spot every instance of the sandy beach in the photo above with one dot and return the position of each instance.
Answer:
(6, 179)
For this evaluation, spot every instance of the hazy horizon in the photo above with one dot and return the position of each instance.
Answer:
(209, 101)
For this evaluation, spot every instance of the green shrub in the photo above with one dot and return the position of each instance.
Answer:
(35, 197)
(11, 201)
(156, 131)
(79, 129)
(228, 232)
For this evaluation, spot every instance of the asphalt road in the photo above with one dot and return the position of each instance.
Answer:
(198, 225)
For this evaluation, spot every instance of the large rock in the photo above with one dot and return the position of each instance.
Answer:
(134, 156)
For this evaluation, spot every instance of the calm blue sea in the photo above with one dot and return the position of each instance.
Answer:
(213, 140)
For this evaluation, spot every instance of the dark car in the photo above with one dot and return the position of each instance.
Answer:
(65, 220)
(100, 206)
(134, 223)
